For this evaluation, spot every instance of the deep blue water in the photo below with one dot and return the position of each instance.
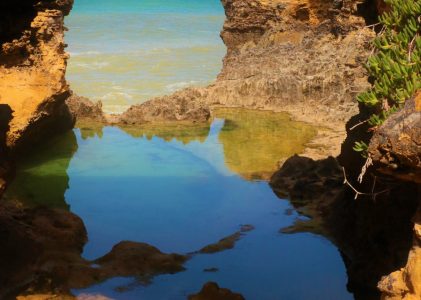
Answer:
(181, 197)
(176, 190)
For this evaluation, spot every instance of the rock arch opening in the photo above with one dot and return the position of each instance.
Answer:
(152, 49)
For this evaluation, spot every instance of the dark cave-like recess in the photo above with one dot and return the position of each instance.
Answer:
(15, 18)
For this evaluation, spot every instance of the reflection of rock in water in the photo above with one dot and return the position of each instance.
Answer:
(255, 141)
(182, 132)
(41, 178)
(374, 236)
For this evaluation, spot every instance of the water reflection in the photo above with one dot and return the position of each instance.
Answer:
(180, 190)
(42, 177)
(255, 141)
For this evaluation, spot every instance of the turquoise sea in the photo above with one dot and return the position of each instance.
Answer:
(127, 51)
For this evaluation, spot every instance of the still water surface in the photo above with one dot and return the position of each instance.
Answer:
(180, 188)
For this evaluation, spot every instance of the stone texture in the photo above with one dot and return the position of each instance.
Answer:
(32, 68)
(300, 56)
(396, 145)
(82, 108)
(184, 105)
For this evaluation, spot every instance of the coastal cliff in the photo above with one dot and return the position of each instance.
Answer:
(305, 57)
(32, 69)
(301, 56)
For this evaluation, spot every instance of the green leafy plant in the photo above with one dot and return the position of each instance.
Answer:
(395, 65)
(361, 147)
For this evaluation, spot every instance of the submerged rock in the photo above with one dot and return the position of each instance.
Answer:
(226, 243)
(211, 291)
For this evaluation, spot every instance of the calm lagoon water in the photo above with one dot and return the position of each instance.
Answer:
(178, 188)
(127, 51)
(181, 188)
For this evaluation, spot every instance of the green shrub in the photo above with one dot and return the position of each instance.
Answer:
(396, 61)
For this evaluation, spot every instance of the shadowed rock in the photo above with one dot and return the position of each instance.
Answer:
(42, 253)
(396, 145)
(226, 243)
(373, 233)
(211, 291)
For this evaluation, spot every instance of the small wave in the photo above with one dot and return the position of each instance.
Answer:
(116, 96)
(86, 53)
(93, 65)
(180, 85)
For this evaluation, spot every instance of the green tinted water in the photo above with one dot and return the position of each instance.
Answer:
(181, 188)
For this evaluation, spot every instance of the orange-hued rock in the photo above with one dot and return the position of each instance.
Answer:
(405, 284)
(32, 69)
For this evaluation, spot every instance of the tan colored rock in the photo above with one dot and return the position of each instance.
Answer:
(32, 69)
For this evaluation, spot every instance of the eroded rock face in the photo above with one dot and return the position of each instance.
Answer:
(82, 108)
(185, 105)
(396, 145)
(32, 68)
(396, 150)
(301, 56)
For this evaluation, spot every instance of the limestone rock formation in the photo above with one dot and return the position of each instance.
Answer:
(396, 145)
(185, 105)
(32, 68)
(301, 56)
(84, 109)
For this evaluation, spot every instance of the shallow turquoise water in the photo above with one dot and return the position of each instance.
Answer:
(127, 51)
(180, 194)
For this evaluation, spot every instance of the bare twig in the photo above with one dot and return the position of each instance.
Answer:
(372, 25)
(367, 164)
(358, 124)
(358, 193)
